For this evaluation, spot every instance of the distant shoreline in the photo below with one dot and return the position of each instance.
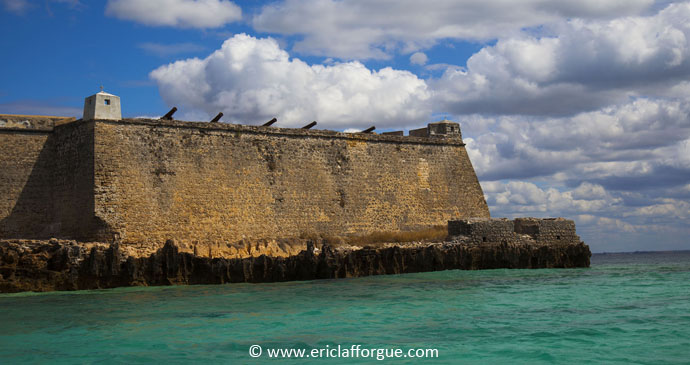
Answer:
(637, 252)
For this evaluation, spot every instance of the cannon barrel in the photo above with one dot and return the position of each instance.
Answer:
(168, 115)
(308, 126)
(268, 124)
(370, 129)
(216, 118)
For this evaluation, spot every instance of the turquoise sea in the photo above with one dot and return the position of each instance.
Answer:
(626, 308)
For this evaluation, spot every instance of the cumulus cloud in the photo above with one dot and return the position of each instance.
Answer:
(586, 65)
(665, 208)
(616, 224)
(590, 191)
(633, 146)
(176, 13)
(604, 218)
(252, 80)
(618, 170)
(418, 58)
(526, 198)
(356, 29)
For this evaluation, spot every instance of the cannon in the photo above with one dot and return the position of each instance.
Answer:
(308, 126)
(216, 118)
(168, 115)
(270, 122)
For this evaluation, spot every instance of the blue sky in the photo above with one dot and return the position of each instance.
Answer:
(572, 108)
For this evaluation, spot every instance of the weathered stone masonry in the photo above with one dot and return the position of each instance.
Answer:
(210, 183)
(228, 200)
(544, 231)
(44, 176)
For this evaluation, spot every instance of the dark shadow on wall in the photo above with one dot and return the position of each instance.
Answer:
(31, 216)
(57, 200)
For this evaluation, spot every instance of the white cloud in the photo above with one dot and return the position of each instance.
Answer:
(604, 220)
(585, 65)
(666, 208)
(614, 224)
(631, 140)
(356, 29)
(679, 155)
(176, 13)
(618, 170)
(520, 197)
(418, 58)
(585, 218)
(252, 80)
(589, 191)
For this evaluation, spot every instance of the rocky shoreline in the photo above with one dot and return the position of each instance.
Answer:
(67, 265)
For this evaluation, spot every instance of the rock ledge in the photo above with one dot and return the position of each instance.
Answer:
(29, 265)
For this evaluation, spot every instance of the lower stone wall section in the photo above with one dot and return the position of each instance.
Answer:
(547, 230)
(483, 230)
(541, 230)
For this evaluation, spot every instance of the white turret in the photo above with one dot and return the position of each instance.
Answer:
(102, 106)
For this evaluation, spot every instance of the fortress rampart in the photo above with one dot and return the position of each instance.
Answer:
(98, 203)
(139, 180)
(542, 231)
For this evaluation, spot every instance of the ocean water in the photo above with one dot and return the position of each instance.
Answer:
(626, 308)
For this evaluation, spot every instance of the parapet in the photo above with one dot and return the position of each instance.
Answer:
(483, 230)
(386, 137)
(502, 230)
(546, 230)
(32, 122)
(442, 129)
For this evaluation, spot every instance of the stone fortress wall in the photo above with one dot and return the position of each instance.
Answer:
(146, 181)
(42, 176)
(544, 231)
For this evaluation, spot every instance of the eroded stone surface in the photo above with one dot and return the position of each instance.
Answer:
(214, 186)
(67, 265)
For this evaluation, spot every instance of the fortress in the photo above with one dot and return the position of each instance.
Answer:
(103, 178)
(102, 202)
